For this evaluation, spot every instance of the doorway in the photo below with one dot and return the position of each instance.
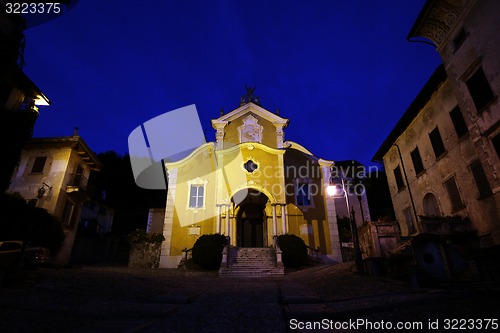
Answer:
(251, 226)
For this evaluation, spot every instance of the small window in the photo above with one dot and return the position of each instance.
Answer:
(399, 178)
(431, 205)
(481, 180)
(454, 194)
(437, 142)
(303, 194)
(486, 240)
(39, 164)
(459, 38)
(196, 196)
(417, 161)
(458, 122)
(78, 177)
(496, 143)
(68, 214)
(480, 90)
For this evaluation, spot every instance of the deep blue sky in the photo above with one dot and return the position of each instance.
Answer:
(341, 71)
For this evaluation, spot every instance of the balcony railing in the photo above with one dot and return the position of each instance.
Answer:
(77, 182)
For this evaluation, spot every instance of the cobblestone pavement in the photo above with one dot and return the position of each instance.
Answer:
(118, 299)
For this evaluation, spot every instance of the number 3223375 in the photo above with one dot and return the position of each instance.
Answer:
(32, 8)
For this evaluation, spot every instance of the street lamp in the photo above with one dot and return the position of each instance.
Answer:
(41, 190)
(334, 190)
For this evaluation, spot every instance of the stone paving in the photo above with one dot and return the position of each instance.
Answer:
(232, 305)
(118, 299)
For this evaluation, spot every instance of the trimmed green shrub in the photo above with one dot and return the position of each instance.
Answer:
(207, 251)
(294, 250)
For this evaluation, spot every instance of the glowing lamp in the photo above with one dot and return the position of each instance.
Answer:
(41, 99)
(331, 190)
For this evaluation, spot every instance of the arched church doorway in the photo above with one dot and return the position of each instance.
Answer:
(251, 221)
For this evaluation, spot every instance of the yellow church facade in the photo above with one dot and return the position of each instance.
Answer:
(250, 185)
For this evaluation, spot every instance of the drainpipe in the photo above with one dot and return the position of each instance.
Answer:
(409, 190)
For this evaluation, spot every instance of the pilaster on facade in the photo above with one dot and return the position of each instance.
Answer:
(275, 220)
(284, 220)
(219, 126)
(331, 214)
(282, 207)
(280, 135)
(169, 213)
(281, 167)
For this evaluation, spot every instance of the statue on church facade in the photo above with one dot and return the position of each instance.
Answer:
(249, 96)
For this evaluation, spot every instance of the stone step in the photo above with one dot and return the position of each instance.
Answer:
(251, 262)
(247, 264)
(255, 263)
(252, 272)
(256, 259)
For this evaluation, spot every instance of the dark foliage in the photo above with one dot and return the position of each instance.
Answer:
(207, 251)
(16, 125)
(16, 128)
(294, 250)
(344, 225)
(140, 237)
(20, 221)
(131, 203)
(379, 196)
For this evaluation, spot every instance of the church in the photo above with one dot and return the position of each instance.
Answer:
(251, 185)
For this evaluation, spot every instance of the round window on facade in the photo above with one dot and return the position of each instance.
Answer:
(250, 166)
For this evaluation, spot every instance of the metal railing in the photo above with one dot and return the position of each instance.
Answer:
(78, 180)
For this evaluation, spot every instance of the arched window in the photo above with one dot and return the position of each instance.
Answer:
(431, 206)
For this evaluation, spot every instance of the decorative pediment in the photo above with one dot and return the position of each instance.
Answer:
(254, 121)
(250, 108)
(250, 131)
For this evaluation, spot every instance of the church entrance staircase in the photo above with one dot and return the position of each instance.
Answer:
(251, 262)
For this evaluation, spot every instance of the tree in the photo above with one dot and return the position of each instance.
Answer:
(130, 202)
(33, 225)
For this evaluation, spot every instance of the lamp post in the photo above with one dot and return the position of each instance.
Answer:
(333, 190)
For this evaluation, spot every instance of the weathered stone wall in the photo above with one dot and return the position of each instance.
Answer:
(478, 50)
(145, 255)
(378, 239)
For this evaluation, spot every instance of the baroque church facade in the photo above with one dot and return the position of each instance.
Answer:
(250, 185)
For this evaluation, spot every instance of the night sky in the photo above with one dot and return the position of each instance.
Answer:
(341, 71)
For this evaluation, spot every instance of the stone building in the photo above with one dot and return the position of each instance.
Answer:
(442, 157)
(250, 185)
(19, 96)
(53, 174)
